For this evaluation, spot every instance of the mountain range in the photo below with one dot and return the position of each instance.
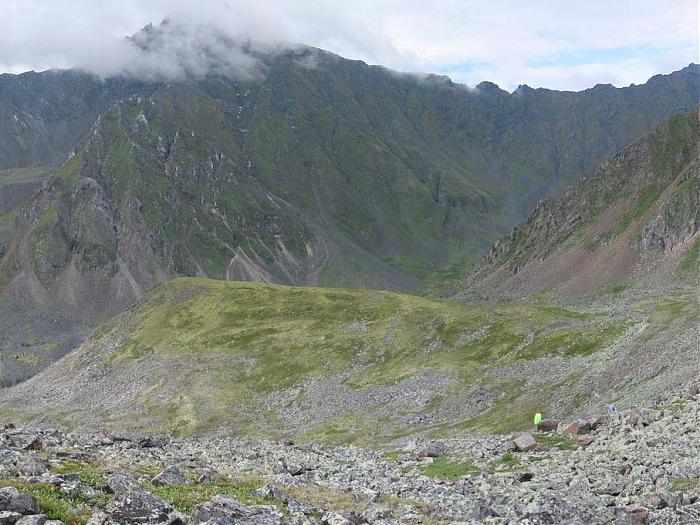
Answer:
(320, 171)
(591, 300)
(255, 284)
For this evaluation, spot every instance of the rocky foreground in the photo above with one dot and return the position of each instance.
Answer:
(636, 466)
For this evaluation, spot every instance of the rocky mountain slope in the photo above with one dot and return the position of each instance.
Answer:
(202, 356)
(44, 115)
(631, 225)
(384, 177)
(640, 466)
(319, 170)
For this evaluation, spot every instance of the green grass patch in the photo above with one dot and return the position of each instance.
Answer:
(574, 341)
(510, 460)
(663, 312)
(444, 467)
(72, 510)
(614, 289)
(393, 455)
(291, 334)
(187, 496)
(552, 440)
(686, 484)
(237, 342)
(87, 472)
(690, 264)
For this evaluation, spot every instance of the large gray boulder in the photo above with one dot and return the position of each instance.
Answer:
(222, 510)
(119, 483)
(8, 517)
(140, 506)
(13, 500)
(170, 476)
(525, 443)
(23, 440)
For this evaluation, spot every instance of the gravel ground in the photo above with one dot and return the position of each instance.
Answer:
(637, 466)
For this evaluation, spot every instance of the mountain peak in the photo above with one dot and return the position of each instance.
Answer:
(488, 87)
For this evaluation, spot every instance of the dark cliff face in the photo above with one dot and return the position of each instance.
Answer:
(632, 223)
(322, 171)
(44, 115)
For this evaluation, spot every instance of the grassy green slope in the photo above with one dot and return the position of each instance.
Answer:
(332, 364)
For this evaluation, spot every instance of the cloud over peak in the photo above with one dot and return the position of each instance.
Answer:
(548, 43)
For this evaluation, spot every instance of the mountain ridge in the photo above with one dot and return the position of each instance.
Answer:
(631, 223)
(339, 174)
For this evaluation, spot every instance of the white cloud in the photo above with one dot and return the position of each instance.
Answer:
(557, 44)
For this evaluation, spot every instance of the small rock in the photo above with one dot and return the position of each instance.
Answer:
(585, 440)
(571, 429)
(269, 491)
(633, 418)
(433, 450)
(31, 465)
(153, 441)
(138, 506)
(98, 518)
(612, 486)
(120, 438)
(525, 443)
(9, 518)
(548, 425)
(23, 440)
(368, 495)
(71, 488)
(294, 469)
(119, 484)
(334, 518)
(226, 508)
(652, 500)
(596, 422)
(374, 514)
(170, 476)
(294, 505)
(637, 515)
(205, 477)
(37, 519)
(624, 469)
(14, 501)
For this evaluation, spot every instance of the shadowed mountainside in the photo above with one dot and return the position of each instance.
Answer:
(631, 225)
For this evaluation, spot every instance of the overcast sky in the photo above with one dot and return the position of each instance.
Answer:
(559, 44)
